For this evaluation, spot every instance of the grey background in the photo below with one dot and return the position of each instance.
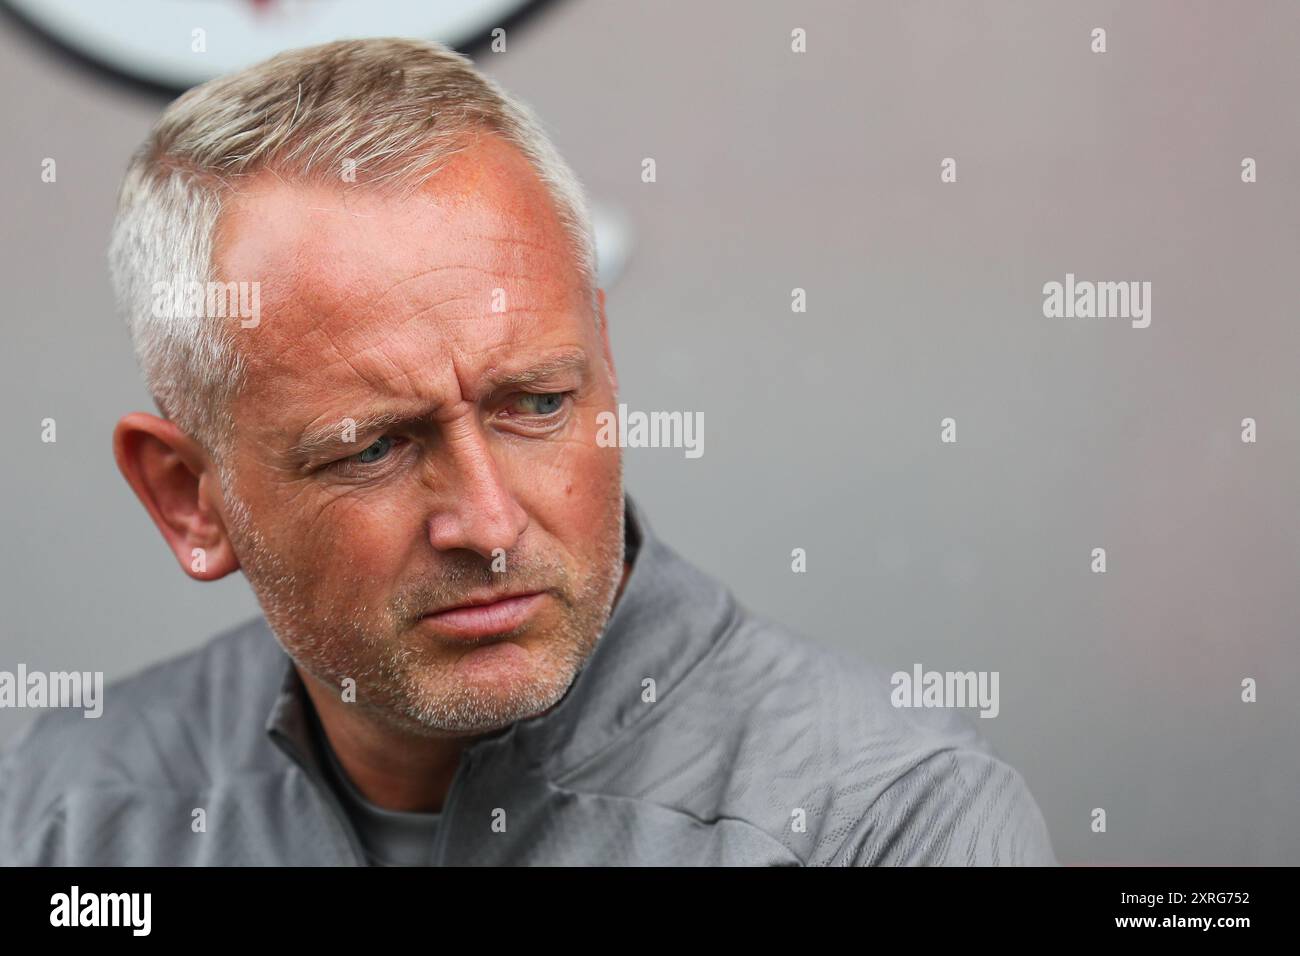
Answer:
(1120, 690)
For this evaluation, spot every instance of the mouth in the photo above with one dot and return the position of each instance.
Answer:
(484, 615)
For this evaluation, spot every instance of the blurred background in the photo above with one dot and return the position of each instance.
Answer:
(817, 170)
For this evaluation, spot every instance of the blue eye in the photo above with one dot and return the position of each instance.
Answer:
(375, 451)
(548, 403)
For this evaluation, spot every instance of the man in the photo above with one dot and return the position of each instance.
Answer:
(382, 406)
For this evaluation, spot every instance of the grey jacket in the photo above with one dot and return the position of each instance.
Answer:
(760, 748)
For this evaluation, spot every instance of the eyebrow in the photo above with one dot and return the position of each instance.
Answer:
(314, 441)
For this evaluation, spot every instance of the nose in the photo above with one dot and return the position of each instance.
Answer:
(478, 512)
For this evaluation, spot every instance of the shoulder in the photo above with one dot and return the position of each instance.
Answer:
(881, 784)
(805, 743)
(172, 725)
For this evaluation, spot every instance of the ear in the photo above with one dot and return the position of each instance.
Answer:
(178, 485)
(604, 342)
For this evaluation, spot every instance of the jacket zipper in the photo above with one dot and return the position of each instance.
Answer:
(340, 817)
(324, 793)
(453, 795)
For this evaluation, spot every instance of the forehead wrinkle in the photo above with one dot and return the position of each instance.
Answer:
(427, 271)
(384, 337)
(372, 326)
(389, 363)
(338, 293)
(374, 304)
(507, 266)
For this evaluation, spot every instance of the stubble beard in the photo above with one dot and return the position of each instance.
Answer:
(395, 682)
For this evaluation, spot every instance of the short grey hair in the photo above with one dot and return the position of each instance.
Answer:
(396, 108)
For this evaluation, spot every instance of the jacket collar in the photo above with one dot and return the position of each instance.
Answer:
(287, 724)
(667, 618)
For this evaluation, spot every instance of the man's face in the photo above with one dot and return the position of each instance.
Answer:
(458, 315)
